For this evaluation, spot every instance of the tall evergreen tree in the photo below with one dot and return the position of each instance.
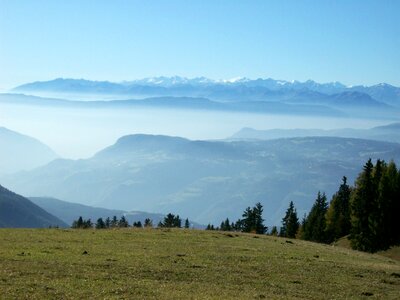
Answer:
(252, 220)
(314, 227)
(108, 222)
(226, 225)
(395, 220)
(123, 222)
(114, 222)
(338, 215)
(187, 224)
(290, 223)
(385, 205)
(361, 203)
(100, 224)
(148, 223)
(170, 220)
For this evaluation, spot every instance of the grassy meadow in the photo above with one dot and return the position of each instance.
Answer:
(185, 264)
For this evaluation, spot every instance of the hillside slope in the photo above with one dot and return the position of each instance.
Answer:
(18, 212)
(182, 264)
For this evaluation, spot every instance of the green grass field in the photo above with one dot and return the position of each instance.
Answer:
(185, 264)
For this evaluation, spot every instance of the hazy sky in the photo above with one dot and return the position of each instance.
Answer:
(355, 42)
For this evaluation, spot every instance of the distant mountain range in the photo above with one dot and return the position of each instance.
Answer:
(205, 180)
(227, 90)
(19, 212)
(20, 152)
(388, 133)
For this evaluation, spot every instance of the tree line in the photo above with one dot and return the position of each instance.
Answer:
(251, 221)
(366, 213)
(170, 221)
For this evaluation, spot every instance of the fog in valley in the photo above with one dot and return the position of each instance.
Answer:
(79, 133)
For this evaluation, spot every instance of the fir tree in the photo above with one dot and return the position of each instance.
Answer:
(123, 222)
(170, 220)
(108, 222)
(100, 224)
(338, 215)
(361, 202)
(114, 222)
(252, 220)
(137, 224)
(148, 223)
(187, 224)
(226, 225)
(290, 223)
(314, 226)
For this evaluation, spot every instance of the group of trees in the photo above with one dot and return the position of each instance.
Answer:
(252, 221)
(169, 221)
(172, 221)
(366, 213)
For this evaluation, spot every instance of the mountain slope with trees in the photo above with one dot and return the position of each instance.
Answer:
(206, 181)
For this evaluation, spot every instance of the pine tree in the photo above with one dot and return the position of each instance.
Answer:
(148, 223)
(385, 207)
(170, 220)
(338, 215)
(394, 219)
(252, 220)
(225, 225)
(187, 224)
(137, 224)
(361, 201)
(314, 226)
(87, 224)
(114, 222)
(100, 224)
(123, 222)
(290, 223)
(108, 222)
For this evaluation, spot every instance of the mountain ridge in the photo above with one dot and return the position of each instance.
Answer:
(227, 90)
(22, 152)
(205, 180)
(17, 211)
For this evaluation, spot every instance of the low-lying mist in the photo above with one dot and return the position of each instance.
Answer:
(81, 132)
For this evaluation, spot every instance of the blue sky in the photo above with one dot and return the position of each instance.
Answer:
(355, 42)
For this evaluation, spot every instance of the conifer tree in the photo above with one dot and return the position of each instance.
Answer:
(114, 222)
(170, 220)
(314, 227)
(361, 201)
(123, 222)
(338, 215)
(252, 220)
(100, 224)
(148, 223)
(187, 224)
(108, 222)
(290, 223)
